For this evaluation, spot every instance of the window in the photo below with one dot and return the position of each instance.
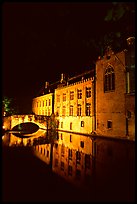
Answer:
(79, 93)
(82, 144)
(70, 154)
(71, 111)
(82, 123)
(64, 97)
(131, 81)
(88, 92)
(79, 110)
(37, 104)
(109, 81)
(57, 112)
(64, 111)
(88, 107)
(46, 103)
(47, 153)
(71, 126)
(78, 173)
(58, 98)
(62, 150)
(49, 102)
(109, 124)
(78, 157)
(70, 138)
(71, 95)
(87, 161)
(40, 103)
(62, 166)
(61, 136)
(61, 124)
(43, 103)
(70, 170)
(56, 162)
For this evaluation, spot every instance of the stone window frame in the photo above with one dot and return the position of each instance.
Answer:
(109, 79)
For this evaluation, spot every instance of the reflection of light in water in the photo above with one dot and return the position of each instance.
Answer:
(16, 140)
(71, 157)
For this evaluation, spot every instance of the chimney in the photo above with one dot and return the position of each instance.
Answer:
(46, 84)
(62, 77)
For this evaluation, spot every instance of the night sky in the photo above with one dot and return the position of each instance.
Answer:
(42, 40)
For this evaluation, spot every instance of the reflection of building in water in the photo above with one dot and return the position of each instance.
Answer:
(43, 152)
(26, 141)
(72, 157)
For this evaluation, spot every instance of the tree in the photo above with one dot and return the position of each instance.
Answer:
(119, 24)
(7, 106)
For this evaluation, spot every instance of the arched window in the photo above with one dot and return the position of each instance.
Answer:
(109, 81)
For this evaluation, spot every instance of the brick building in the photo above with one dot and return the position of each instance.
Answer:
(100, 101)
(115, 93)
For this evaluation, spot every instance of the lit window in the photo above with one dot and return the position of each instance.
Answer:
(109, 81)
(88, 92)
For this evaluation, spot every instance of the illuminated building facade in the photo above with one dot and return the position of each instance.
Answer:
(100, 101)
(43, 105)
(115, 93)
(74, 105)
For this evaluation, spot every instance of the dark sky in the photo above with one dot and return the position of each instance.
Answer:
(42, 40)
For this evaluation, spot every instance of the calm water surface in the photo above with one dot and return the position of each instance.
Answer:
(63, 169)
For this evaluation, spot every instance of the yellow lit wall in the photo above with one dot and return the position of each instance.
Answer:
(43, 105)
(66, 117)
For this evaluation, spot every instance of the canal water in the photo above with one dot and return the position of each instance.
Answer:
(63, 167)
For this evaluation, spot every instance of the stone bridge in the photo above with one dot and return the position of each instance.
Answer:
(44, 122)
